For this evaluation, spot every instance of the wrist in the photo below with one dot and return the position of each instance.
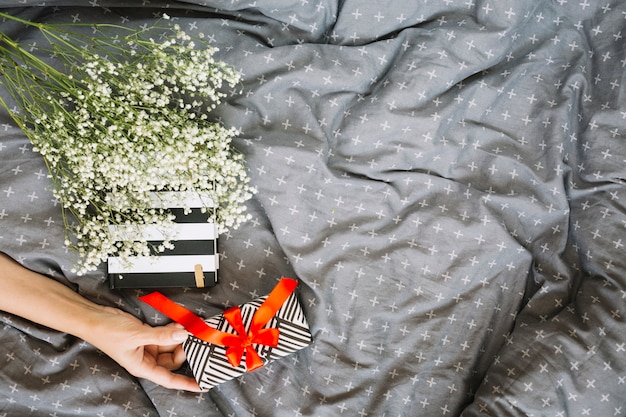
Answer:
(86, 320)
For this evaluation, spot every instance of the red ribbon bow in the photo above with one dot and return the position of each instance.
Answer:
(241, 342)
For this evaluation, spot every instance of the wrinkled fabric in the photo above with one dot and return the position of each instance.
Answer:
(446, 180)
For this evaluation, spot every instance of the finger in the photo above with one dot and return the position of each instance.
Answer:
(166, 360)
(171, 359)
(179, 355)
(151, 350)
(168, 379)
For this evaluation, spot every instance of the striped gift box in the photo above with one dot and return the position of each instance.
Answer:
(194, 260)
(209, 362)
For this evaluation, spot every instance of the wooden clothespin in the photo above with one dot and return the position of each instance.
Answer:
(199, 275)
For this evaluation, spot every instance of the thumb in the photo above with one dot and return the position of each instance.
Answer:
(166, 335)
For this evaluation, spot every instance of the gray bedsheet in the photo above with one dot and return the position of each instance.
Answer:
(446, 179)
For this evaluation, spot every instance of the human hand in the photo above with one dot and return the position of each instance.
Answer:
(144, 351)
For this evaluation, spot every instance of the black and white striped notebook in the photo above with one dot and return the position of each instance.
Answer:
(208, 361)
(194, 260)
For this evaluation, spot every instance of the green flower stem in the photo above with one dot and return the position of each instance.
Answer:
(17, 19)
(16, 53)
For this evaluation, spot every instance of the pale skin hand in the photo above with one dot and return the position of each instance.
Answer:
(144, 351)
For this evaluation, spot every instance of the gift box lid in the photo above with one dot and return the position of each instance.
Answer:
(243, 338)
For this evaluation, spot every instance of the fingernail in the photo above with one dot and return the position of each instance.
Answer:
(180, 336)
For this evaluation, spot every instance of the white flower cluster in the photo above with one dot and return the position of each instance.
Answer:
(135, 125)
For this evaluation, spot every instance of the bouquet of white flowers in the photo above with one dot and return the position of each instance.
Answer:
(122, 116)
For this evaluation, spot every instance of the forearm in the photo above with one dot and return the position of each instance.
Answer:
(144, 351)
(45, 301)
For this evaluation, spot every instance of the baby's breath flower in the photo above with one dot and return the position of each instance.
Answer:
(122, 123)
